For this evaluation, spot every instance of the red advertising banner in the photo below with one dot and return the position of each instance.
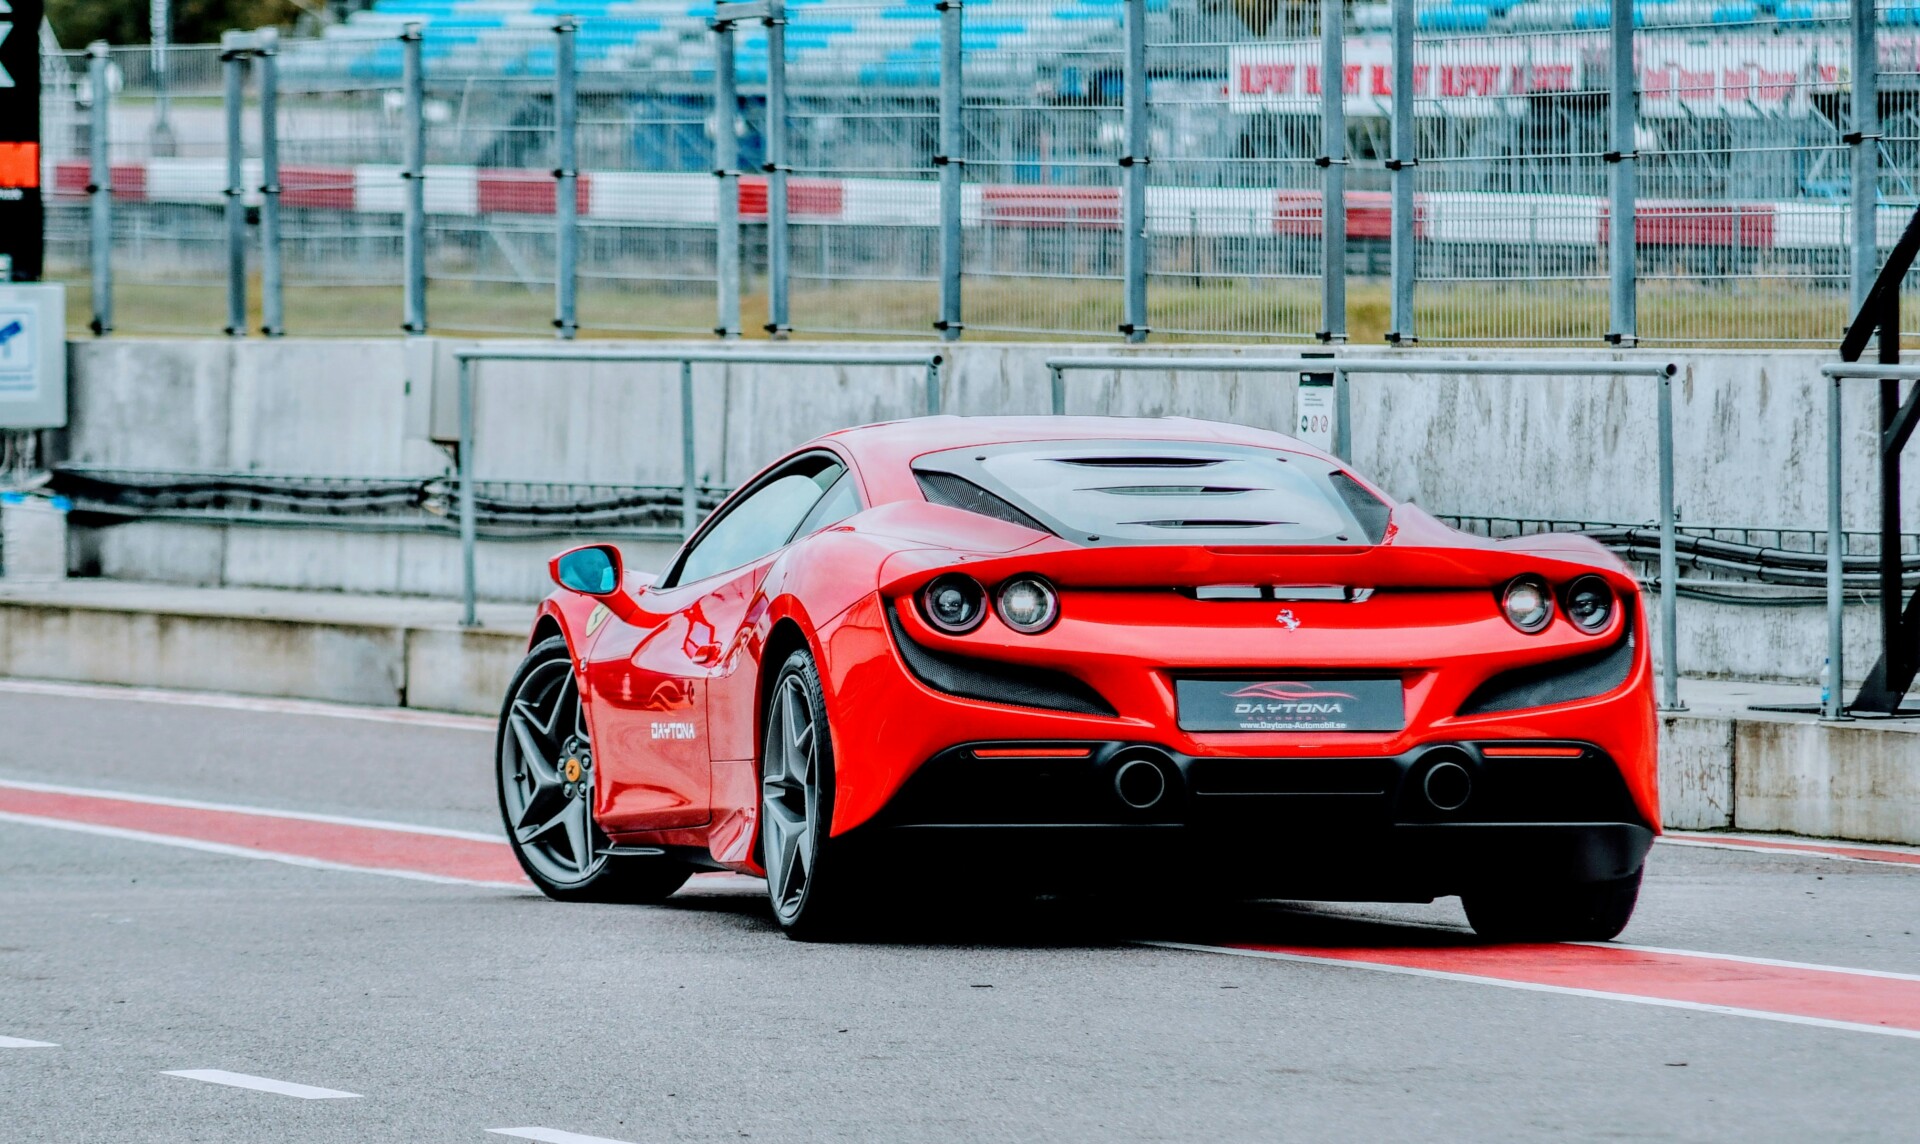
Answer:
(1730, 75)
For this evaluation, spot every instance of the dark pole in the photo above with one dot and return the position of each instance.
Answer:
(1895, 654)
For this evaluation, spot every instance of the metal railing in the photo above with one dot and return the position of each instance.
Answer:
(466, 357)
(1140, 169)
(1343, 368)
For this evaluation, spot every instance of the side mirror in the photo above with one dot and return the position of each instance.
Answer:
(594, 570)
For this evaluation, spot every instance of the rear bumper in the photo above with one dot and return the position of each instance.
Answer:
(1356, 828)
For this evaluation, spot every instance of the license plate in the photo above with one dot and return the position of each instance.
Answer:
(1290, 704)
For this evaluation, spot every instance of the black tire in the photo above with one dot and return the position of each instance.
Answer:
(810, 883)
(1581, 911)
(546, 803)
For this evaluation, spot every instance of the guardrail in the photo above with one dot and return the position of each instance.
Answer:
(1341, 368)
(686, 360)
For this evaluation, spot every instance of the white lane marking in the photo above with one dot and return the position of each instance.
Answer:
(1775, 962)
(256, 811)
(727, 880)
(1789, 851)
(262, 1084)
(243, 852)
(553, 1136)
(23, 1043)
(442, 720)
(1537, 987)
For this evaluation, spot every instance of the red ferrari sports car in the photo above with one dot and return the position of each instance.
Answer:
(1089, 650)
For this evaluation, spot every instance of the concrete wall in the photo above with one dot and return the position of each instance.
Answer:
(1749, 430)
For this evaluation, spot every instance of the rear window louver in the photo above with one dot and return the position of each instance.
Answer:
(961, 493)
(1138, 462)
(1207, 523)
(1173, 490)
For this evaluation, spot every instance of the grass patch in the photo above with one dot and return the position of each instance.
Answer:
(1752, 312)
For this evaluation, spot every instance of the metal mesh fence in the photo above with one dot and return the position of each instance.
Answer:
(490, 261)
(1510, 221)
(647, 245)
(863, 83)
(1234, 207)
(1042, 135)
(169, 236)
(340, 247)
(64, 132)
(1742, 219)
(1899, 155)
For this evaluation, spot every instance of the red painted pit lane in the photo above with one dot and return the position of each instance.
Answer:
(364, 847)
(1825, 995)
(1822, 994)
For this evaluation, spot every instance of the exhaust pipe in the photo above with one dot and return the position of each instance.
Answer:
(1448, 784)
(1141, 780)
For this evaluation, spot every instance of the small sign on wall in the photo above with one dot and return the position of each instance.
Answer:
(1314, 408)
(33, 356)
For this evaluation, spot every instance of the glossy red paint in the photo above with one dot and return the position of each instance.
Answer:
(697, 654)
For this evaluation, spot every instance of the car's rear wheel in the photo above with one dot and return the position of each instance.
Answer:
(1582, 911)
(544, 761)
(807, 885)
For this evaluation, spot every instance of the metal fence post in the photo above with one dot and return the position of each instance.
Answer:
(951, 164)
(1342, 416)
(1133, 174)
(1402, 162)
(726, 161)
(160, 33)
(273, 315)
(1669, 561)
(689, 491)
(1622, 250)
(933, 386)
(100, 188)
(566, 178)
(1865, 142)
(233, 63)
(1832, 706)
(469, 523)
(779, 250)
(414, 226)
(1333, 186)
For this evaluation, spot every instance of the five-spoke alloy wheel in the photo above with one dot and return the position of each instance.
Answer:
(545, 765)
(804, 885)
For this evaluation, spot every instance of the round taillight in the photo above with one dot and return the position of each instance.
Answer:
(1527, 603)
(954, 603)
(1590, 604)
(1028, 604)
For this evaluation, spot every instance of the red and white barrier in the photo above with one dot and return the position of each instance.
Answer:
(687, 199)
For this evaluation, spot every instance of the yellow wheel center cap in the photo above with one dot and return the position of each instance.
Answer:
(573, 770)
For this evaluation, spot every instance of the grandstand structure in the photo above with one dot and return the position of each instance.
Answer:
(1741, 136)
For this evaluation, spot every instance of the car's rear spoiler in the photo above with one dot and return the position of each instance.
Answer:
(1381, 567)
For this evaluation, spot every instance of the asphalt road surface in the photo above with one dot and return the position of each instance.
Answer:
(256, 921)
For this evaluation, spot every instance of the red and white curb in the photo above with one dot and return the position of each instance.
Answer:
(688, 199)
